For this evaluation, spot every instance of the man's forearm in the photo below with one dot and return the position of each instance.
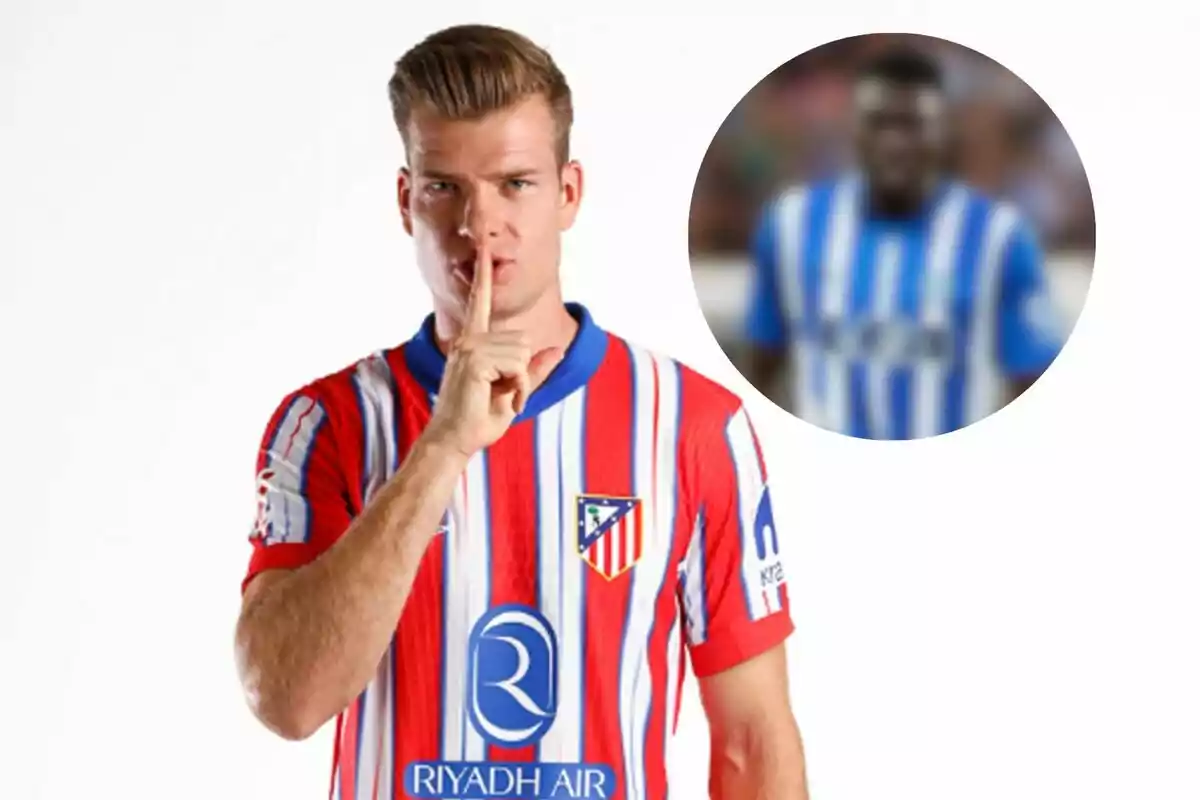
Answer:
(759, 764)
(313, 639)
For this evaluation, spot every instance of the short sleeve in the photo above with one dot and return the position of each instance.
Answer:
(764, 322)
(732, 582)
(302, 499)
(1030, 326)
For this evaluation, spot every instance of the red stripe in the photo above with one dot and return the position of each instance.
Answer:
(637, 531)
(680, 674)
(784, 604)
(623, 559)
(291, 441)
(512, 501)
(349, 749)
(418, 674)
(725, 599)
(607, 470)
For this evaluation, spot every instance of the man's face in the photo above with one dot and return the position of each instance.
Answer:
(491, 182)
(901, 134)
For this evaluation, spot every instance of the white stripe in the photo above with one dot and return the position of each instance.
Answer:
(284, 506)
(937, 295)
(476, 563)
(983, 381)
(456, 630)
(336, 794)
(571, 635)
(374, 699)
(387, 758)
(654, 481)
(674, 643)
(887, 280)
(790, 228)
(373, 380)
(749, 492)
(694, 588)
(552, 546)
(789, 239)
(467, 571)
(836, 285)
(559, 432)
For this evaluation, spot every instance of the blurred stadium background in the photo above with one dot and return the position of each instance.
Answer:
(795, 125)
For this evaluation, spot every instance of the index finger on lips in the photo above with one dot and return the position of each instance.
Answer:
(479, 305)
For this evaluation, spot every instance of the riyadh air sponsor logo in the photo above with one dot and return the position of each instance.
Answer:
(512, 701)
(523, 781)
(512, 676)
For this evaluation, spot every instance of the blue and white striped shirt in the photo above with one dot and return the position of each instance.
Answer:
(900, 329)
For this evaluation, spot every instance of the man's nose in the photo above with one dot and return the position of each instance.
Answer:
(481, 218)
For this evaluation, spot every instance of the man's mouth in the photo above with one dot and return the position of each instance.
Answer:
(465, 270)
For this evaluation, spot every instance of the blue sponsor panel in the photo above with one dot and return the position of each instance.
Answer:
(513, 676)
(458, 780)
(512, 701)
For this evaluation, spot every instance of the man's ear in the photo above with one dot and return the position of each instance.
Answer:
(404, 197)
(570, 193)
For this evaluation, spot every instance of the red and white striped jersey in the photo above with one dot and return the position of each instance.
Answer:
(622, 523)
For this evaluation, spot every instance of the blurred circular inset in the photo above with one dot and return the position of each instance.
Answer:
(892, 236)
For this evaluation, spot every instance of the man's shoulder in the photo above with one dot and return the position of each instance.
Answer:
(990, 205)
(340, 392)
(795, 195)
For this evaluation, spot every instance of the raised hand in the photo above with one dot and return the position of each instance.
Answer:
(489, 374)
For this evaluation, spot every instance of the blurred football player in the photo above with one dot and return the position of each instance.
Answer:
(906, 303)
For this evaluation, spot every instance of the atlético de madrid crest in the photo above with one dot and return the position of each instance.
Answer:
(610, 532)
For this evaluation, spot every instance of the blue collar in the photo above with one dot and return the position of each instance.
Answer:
(583, 357)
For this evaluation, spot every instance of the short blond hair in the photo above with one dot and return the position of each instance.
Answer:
(468, 71)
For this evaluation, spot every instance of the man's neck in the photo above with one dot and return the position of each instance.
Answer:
(548, 323)
(906, 203)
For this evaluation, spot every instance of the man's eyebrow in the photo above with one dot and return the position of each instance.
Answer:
(436, 175)
(508, 173)
(521, 172)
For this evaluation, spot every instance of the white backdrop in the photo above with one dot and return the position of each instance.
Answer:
(196, 216)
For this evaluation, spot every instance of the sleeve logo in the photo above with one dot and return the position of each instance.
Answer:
(766, 542)
(262, 521)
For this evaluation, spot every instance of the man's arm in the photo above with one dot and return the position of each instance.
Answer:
(309, 639)
(757, 752)
(1030, 331)
(737, 609)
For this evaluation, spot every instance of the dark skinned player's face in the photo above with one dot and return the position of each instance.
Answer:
(901, 136)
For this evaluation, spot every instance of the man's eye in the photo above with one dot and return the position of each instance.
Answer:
(437, 187)
(519, 183)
